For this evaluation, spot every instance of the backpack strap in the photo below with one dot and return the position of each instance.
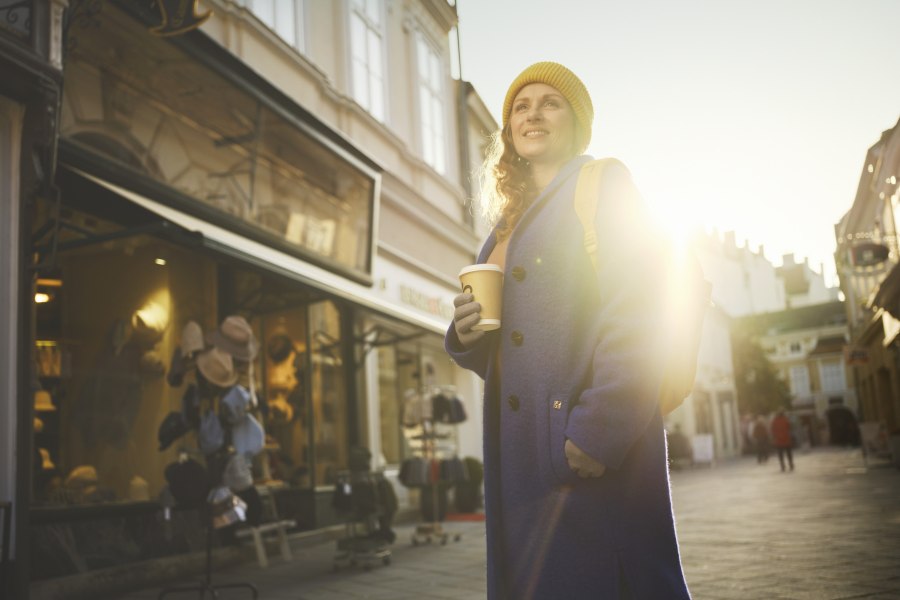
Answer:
(587, 196)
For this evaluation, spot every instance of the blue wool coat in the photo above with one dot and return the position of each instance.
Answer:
(578, 360)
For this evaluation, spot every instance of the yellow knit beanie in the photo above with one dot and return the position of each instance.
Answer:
(568, 84)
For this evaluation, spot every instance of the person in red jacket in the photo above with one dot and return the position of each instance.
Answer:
(781, 436)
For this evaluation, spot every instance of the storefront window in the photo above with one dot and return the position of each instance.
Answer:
(108, 318)
(111, 310)
(196, 132)
(329, 396)
(286, 394)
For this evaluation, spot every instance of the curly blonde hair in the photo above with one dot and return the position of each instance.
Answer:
(507, 187)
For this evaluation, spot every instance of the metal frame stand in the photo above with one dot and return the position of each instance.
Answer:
(207, 586)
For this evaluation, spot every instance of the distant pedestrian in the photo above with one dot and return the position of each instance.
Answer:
(781, 436)
(761, 439)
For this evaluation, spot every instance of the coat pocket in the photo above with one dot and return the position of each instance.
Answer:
(558, 407)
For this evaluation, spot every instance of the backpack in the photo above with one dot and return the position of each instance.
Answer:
(685, 304)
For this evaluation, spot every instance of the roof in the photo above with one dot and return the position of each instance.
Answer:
(833, 344)
(795, 319)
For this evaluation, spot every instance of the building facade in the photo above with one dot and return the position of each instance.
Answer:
(297, 163)
(867, 258)
(30, 89)
(744, 283)
(807, 346)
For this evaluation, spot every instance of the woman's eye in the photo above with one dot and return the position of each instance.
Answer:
(551, 103)
(521, 106)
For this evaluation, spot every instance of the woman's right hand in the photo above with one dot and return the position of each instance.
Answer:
(466, 316)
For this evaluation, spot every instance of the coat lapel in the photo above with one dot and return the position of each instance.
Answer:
(567, 170)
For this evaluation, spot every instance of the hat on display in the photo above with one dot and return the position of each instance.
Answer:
(138, 489)
(191, 339)
(248, 436)
(172, 427)
(152, 363)
(82, 477)
(235, 336)
(233, 406)
(210, 435)
(279, 347)
(237, 475)
(149, 323)
(46, 461)
(43, 402)
(226, 508)
(217, 367)
(188, 482)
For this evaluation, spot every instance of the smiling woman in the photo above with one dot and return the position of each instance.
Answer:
(576, 488)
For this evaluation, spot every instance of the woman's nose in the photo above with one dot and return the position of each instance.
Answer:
(534, 114)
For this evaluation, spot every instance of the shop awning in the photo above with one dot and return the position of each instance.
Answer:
(274, 261)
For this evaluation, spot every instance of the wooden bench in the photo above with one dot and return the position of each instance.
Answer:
(280, 528)
(271, 523)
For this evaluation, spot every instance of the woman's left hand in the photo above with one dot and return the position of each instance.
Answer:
(583, 465)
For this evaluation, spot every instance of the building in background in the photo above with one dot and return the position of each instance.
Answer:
(303, 164)
(745, 284)
(867, 258)
(806, 345)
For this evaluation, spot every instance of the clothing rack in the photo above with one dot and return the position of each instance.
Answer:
(367, 502)
(428, 421)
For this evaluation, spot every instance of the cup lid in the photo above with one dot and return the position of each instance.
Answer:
(480, 267)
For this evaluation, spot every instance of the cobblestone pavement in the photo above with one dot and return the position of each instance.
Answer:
(828, 531)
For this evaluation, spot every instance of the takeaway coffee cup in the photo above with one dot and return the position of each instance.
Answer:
(485, 282)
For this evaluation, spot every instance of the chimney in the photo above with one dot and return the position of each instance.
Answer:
(729, 239)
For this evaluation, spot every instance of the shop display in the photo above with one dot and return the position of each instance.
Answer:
(428, 417)
(367, 502)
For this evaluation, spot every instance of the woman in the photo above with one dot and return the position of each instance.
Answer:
(576, 487)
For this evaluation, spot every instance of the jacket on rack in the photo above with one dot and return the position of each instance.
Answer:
(574, 367)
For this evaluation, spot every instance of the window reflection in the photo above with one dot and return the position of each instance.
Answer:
(198, 133)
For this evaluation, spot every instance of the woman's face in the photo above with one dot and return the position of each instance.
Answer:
(542, 125)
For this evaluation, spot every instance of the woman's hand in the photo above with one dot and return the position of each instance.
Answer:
(467, 315)
(583, 465)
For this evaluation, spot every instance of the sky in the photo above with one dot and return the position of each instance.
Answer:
(752, 116)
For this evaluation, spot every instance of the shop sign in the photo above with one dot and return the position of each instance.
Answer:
(178, 16)
(431, 304)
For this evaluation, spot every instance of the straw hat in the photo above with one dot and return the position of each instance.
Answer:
(191, 339)
(43, 402)
(217, 367)
(235, 336)
(46, 461)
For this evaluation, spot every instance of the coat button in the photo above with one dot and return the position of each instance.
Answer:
(517, 338)
(513, 402)
(518, 273)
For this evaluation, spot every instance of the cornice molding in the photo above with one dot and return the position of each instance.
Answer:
(444, 14)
